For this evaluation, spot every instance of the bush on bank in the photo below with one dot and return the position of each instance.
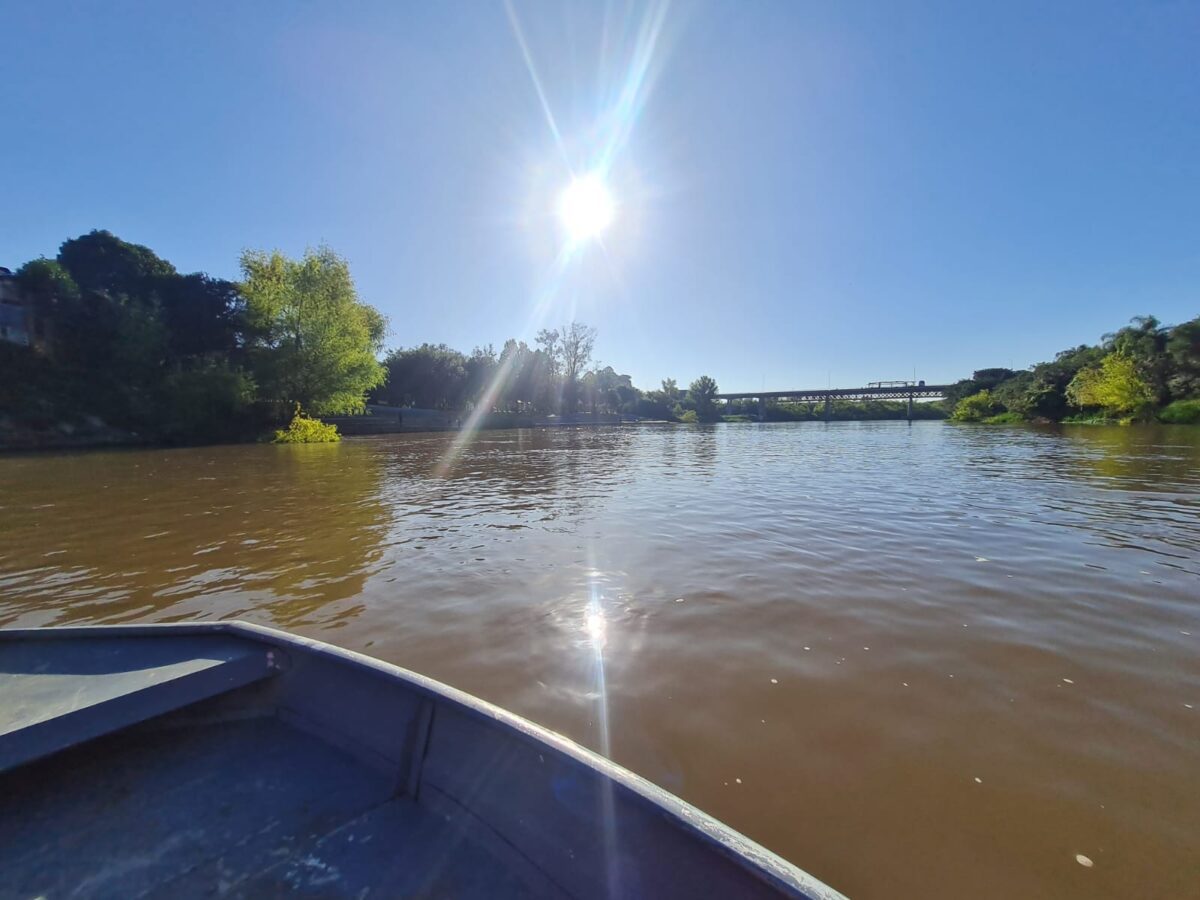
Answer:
(306, 430)
(1181, 412)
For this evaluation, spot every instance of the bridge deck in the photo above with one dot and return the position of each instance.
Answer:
(898, 392)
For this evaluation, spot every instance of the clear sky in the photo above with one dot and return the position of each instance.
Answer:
(804, 191)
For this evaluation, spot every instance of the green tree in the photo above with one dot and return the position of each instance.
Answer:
(1144, 342)
(1114, 386)
(431, 376)
(1183, 350)
(313, 341)
(980, 380)
(51, 289)
(568, 351)
(703, 392)
(1017, 394)
(607, 389)
(100, 261)
(518, 374)
(46, 280)
(480, 369)
(208, 402)
(205, 316)
(975, 408)
(575, 352)
(1047, 394)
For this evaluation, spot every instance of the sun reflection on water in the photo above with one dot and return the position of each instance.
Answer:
(595, 626)
(597, 629)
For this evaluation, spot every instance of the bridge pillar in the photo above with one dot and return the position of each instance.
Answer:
(762, 409)
(910, 398)
(828, 406)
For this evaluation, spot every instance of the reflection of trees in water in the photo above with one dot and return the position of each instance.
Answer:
(703, 442)
(1134, 458)
(177, 534)
(334, 521)
(1131, 486)
(293, 533)
(1137, 458)
(1149, 476)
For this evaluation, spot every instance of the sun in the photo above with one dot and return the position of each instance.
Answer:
(586, 207)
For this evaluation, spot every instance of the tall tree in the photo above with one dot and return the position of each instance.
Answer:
(314, 342)
(431, 376)
(46, 280)
(480, 369)
(204, 315)
(100, 261)
(1115, 386)
(1144, 342)
(511, 370)
(568, 352)
(1183, 348)
(576, 343)
(703, 392)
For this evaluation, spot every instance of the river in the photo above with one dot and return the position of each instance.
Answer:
(918, 661)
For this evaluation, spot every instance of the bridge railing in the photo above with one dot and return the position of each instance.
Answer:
(916, 391)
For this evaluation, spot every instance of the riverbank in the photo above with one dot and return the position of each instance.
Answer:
(92, 433)
(82, 434)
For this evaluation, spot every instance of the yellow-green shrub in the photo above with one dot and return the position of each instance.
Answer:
(306, 430)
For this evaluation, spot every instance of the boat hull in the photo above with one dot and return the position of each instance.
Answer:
(279, 764)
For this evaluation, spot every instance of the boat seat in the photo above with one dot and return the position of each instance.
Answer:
(55, 693)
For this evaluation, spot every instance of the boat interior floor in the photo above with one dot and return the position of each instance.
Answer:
(247, 808)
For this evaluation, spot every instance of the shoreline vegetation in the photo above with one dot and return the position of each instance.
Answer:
(118, 347)
(1144, 372)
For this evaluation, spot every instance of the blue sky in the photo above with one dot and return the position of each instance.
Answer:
(805, 191)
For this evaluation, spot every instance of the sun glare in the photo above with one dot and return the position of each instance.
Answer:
(585, 207)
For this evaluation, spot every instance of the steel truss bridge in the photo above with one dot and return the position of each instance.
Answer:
(876, 390)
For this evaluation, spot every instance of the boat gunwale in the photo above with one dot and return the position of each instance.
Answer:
(729, 842)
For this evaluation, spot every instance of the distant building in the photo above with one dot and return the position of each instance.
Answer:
(16, 324)
(19, 319)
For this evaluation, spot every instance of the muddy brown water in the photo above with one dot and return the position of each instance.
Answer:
(918, 661)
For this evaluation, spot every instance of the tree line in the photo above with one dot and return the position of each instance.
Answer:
(122, 337)
(1141, 372)
(556, 376)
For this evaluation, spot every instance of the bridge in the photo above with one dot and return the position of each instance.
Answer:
(875, 390)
